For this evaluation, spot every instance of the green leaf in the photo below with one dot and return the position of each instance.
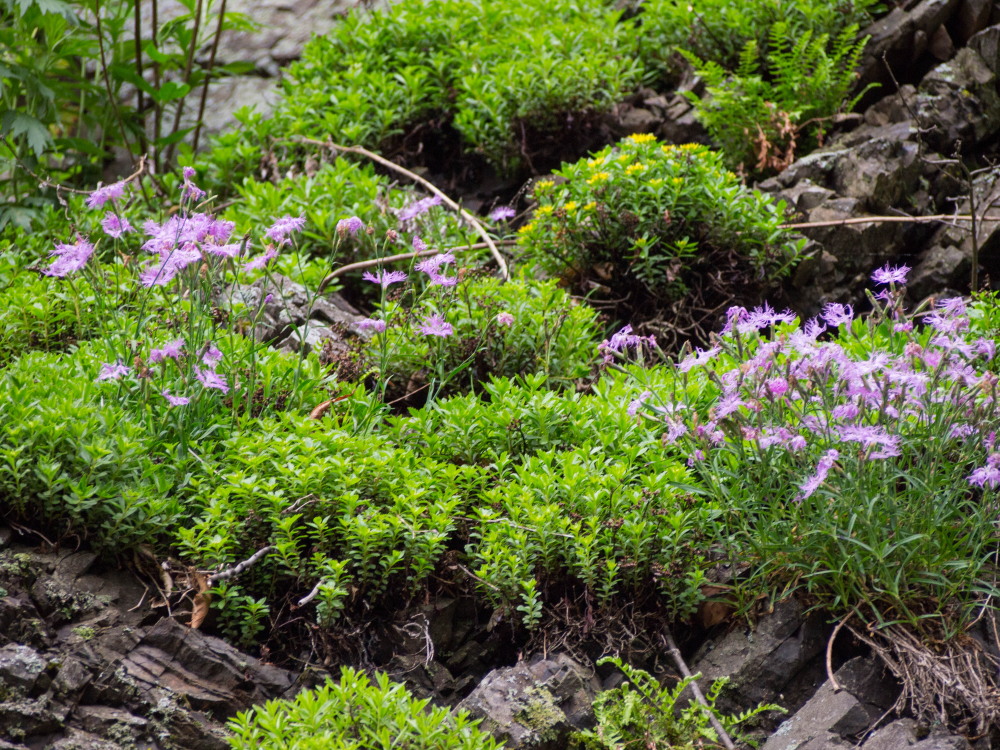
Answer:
(172, 90)
(154, 54)
(128, 74)
(57, 7)
(34, 131)
(173, 137)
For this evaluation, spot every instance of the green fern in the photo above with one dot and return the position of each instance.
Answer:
(765, 112)
(644, 714)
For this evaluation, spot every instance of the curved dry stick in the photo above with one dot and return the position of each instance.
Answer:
(829, 654)
(428, 185)
(361, 264)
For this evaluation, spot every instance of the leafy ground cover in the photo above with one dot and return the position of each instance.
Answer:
(494, 438)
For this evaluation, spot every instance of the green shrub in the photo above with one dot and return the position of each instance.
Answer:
(356, 713)
(335, 191)
(499, 329)
(646, 223)
(75, 460)
(771, 109)
(61, 116)
(644, 714)
(542, 489)
(422, 76)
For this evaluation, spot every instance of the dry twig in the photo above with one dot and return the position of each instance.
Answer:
(699, 696)
(223, 575)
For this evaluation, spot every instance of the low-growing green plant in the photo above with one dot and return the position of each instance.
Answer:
(644, 223)
(860, 469)
(642, 713)
(356, 712)
(419, 77)
(486, 328)
(345, 188)
(763, 120)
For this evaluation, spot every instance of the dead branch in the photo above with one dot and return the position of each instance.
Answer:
(683, 667)
(223, 575)
(887, 219)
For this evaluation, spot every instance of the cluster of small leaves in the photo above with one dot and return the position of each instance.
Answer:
(496, 329)
(344, 188)
(858, 465)
(353, 713)
(424, 71)
(768, 110)
(642, 713)
(637, 217)
(534, 484)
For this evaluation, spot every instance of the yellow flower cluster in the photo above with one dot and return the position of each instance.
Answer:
(598, 177)
(642, 138)
(640, 167)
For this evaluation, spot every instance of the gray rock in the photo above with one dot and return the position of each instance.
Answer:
(830, 716)
(30, 718)
(20, 621)
(289, 304)
(536, 704)
(875, 164)
(105, 721)
(311, 337)
(72, 678)
(205, 672)
(987, 44)
(761, 663)
(635, 120)
(900, 38)
(905, 734)
(958, 101)
(947, 261)
(972, 17)
(21, 667)
(79, 740)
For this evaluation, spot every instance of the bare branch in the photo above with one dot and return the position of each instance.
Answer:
(240, 567)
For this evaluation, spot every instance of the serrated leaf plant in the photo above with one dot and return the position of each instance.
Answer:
(769, 110)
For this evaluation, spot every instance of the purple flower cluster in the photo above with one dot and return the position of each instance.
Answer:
(432, 267)
(417, 208)
(835, 399)
(184, 240)
(211, 356)
(435, 325)
(384, 278)
(69, 258)
(618, 345)
(108, 193)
